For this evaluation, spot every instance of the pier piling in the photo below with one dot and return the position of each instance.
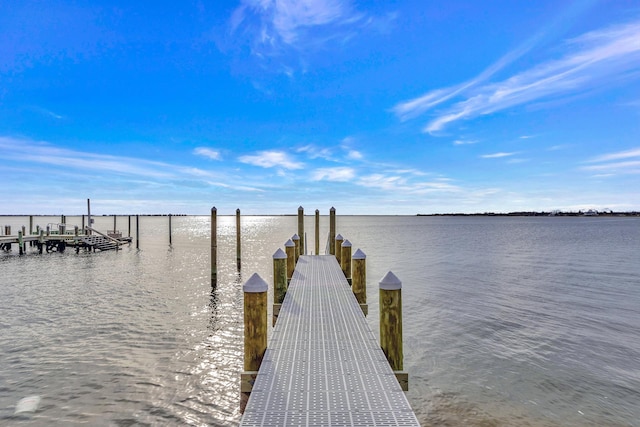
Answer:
(301, 229)
(345, 260)
(332, 231)
(391, 325)
(280, 270)
(255, 332)
(359, 279)
(339, 240)
(317, 232)
(214, 246)
(290, 249)
(238, 244)
(296, 242)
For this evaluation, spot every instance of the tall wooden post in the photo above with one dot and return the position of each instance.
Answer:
(30, 224)
(115, 223)
(339, 240)
(296, 242)
(89, 222)
(84, 230)
(317, 232)
(301, 229)
(359, 279)
(345, 260)
(137, 231)
(129, 232)
(279, 281)
(332, 231)
(20, 243)
(255, 333)
(238, 247)
(214, 246)
(391, 325)
(41, 240)
(290, 249)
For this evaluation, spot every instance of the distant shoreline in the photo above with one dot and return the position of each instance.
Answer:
(488, 214)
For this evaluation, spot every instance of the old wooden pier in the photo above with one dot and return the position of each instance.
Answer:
(323, 365)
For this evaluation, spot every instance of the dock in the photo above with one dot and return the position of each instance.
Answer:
(58, 242)
(323, 365)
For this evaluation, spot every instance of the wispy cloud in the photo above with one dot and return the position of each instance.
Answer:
(601, 57)
(208, 152)
(339, 174)
(464, 142)
(398, 184)
(627, 161)
(496, 155)
(270, 159)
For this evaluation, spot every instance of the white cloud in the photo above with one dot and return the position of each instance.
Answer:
(314, 152)
(464, 142)
(593, 59)
(354, 155)
(340, 174)
(628, 154)
(207, 152)
(627, 162)
(270, 159)
(496, 155)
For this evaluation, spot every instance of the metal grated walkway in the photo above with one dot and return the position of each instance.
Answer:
(323, 365)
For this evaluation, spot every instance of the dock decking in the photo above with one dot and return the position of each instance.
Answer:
(323, 365)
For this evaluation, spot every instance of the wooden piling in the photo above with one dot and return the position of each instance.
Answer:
(238, 244)
(345, 260)
(41, 240)
(20, 243)
(332, 231)
(359, 279)
(301, 229)
(290, 249)
(169, 230)
(391, 325)
(280, 269)
(90, 222)
(317, 232)
(137, 232)
(115, 222)
(214, 246)
(339, 240)
(296, 242)
(30, 224)
(255, 332)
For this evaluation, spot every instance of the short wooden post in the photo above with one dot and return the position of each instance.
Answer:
(301, 229)
(238, 247)
(280, 267)
(20, 243)
(339, 240)
(170, 240)
(391, 325)
(255, 333)
(359, 279)
(75, 231)
(48, 230)
(290, 249)
(129, 231)
(30, 224)
(345, 260)
(137, 231)
(214, 246)
(90, 221)
(317, 231)
(83, 225)
(41, 240)
(115, 221)
(332, 231)
(296, 242)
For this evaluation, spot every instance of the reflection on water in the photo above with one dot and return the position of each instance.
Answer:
(511, 321)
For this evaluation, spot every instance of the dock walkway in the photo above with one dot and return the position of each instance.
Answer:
(323, 365)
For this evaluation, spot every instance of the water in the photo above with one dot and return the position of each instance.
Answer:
(507, 321)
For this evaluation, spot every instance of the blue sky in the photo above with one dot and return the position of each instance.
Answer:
(397, 107)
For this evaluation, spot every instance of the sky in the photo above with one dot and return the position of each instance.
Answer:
(385, 107)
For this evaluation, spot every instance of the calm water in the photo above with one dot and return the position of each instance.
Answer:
(507, 321)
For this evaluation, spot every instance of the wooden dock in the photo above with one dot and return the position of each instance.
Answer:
(323, 365)
(55, 242)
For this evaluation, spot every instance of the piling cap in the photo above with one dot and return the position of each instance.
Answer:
(359, 255)
(346, 244)
(339, 237)
(295, 237)
(332, 209)
(390, 282)
(255, 284)
(279, 254)
(300, 208)
(213, 209)
(289, 244)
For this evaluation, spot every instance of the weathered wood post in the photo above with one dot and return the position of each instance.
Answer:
(317, 232)
(359, 279)
(345, 260)
(89, 221)
(30, 224)
(48, 230)
(41, 240)
(391, 325)
(75, 230)
(115, 221)
(301, 229)
(137, 231)
(214, 246)
(290, 249)
(20, 243)
(7, 230)
(129, 231)
(339, 240)
(238, 247)
(255, 333)
(170, 240)
(83, 225)
(332, 231)
(296, 242)
(280, 267)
